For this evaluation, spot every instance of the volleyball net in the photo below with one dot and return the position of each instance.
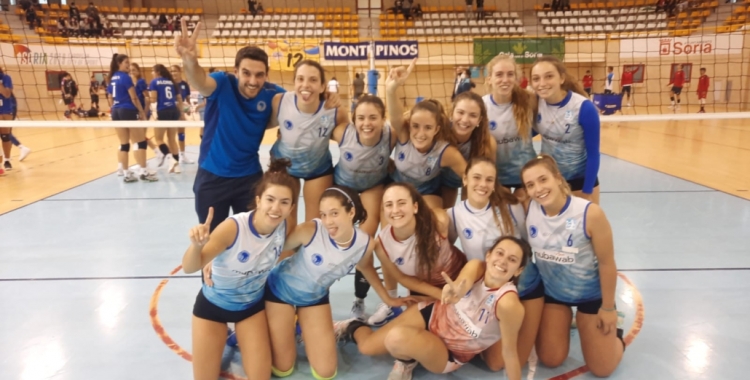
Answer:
(607, 46)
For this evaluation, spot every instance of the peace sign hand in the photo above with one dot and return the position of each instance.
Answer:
(452, 292)
(199, 234)
(397, 76)
(185, 44)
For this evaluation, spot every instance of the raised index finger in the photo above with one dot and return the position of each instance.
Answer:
(210, 216)
(411, 66)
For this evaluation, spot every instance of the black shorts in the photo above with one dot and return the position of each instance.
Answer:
(223, 193)
(576, 184)
(328, 171)
(68, 101)
(626, 89)
(590, 307)
(168, 114)
(94, 98)
(204, 309)
(676, 90)
(538, 292)
(124, 114)
(270, 297)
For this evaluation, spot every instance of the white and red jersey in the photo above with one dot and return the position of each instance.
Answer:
(471, 325)
(404, 255)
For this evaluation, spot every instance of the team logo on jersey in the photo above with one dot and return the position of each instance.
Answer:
(467, 233)
(348, 156)
(533, 231)
(490, 300)
(325, 119)
(288, 125)
(261, 106)
(431, 160)
(400, 261)
(243, 256)
(317, 259)
(493, 125)
(568, 115)
(571, 224)
(401, 156)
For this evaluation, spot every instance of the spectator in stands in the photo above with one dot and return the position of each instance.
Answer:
(260, 8)
(555, 5)
(84, 27)
(661, 5)
(480, 10)
(96, 27)
(32, 18)
(170, 24)
(252, 7)
(62, 27)
(92, 11)
(469, 13)
(406, 8)
(396, 7)
(107, 28)
(162, 21)
(74, 29)
(670, 7)
(74, 12)
(154, 22)
(416, 10)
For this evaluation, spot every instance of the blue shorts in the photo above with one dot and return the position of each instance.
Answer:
(449, 179)
(269, 296)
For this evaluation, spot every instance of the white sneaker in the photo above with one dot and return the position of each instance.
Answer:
(160, 157)
(120, 170)
(358, 309)
(174, 167)
(130, 177)
(384, 314)
(402, 371)
(185, 160)
(24, 152)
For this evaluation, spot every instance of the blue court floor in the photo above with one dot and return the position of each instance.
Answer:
(85, 284)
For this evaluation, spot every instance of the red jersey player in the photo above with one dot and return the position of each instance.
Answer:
(703, 83)
(588, 82)
(627, 81)
(678, 80)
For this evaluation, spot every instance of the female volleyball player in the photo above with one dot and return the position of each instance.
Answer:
(412, 248)
(511, 117)
(486, 215)
(425, 143)
(572, 243)
(305, 128)
(569, 124)
(6, 113)
(141, 90)
(476, 310)
(163, 92)
(127, 106)
(326, 250)
(184, 106)
(365, 146)
(244, 248)
(471, 131)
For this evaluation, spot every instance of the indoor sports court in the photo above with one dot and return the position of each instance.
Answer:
(90, 266)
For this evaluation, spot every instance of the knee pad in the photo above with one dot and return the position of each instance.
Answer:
(124, 147)
(318, 377)
(278, 373)
(143, 144)
(181, 136)
(5, 137)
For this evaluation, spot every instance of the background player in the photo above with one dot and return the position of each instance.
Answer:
(703, 84)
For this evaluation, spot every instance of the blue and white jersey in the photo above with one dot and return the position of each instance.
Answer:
(448, 177)
(119, 85)
(304, 138)
(419, 169)
(478, 232)
(304, 278)
(513, 152)
(362, 167)
(7, 104)
(562, 134)
(239, 273)
(165, 93)
(563, 252)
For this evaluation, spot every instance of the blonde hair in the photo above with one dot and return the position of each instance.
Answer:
(523, 103)
(550, 164)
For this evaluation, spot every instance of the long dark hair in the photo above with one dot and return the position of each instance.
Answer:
(427, 248)
(277, 175)
(114, 66)
(480, 136)
(500, 199)
(163, 72)
(349, 199)
(525, 252)
(442, 121)
(317, 65)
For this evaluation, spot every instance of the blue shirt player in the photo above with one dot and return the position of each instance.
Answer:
(6, 113)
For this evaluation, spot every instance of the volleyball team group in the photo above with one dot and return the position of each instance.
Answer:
(534, 242)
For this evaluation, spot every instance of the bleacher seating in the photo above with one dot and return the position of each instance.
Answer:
(626, 17)
(453, 23)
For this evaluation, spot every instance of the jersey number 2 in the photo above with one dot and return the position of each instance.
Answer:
(567, 128)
